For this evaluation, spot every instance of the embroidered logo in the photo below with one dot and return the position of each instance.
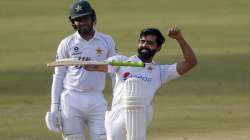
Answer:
(78, 8)
(99, 51)
(125, 75)
(76, 49)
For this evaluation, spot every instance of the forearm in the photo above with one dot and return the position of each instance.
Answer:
(98, 68)
(57, 84)
(56, 89)
(189, 57)
(188, 54)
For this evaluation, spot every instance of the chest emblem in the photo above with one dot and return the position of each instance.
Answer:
(76, 49)
(125, 75)
(99, 51)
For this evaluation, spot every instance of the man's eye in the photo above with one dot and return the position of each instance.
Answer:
(142, 41)
(150, 42)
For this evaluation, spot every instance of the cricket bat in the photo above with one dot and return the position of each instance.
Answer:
(76, 62)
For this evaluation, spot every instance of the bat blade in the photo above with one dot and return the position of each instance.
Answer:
(74, 62)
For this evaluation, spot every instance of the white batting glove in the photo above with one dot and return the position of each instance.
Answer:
(53, 119)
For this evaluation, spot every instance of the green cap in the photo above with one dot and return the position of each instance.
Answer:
(80, 8)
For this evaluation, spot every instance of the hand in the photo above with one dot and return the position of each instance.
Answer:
(97, 68)
(175, 33)
(90, 67)
(53, 118)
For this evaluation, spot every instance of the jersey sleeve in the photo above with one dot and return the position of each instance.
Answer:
(59, 74)
(168, 72)
(113, 69)
(62, 50)
(113, 48)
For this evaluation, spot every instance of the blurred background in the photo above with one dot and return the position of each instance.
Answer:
(210, 102)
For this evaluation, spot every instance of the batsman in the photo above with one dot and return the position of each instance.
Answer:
(77, 100)
(135, 87)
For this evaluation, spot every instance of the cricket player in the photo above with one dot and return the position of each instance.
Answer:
(119, 124)
(77, 99)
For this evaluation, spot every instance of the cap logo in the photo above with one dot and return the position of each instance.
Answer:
(78, 8)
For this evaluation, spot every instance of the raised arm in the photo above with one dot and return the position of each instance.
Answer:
(189, 57)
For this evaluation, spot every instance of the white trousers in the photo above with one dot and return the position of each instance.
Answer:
(115, 122)
(80, 110)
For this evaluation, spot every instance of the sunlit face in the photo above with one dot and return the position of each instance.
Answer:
(147, 48)
(84, 24)
(149, 42)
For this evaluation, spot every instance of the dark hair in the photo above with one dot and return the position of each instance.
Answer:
(160, 39)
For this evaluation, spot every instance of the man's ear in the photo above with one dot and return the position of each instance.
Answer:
(74, 26)
(158, 49)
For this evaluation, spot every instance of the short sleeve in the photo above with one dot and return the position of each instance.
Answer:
(113, 48)
(61, 54)
(62, 51)
(168, 72)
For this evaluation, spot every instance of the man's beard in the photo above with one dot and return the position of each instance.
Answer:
(145, 54)
(85, 31)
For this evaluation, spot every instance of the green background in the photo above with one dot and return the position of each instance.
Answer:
(210, 102)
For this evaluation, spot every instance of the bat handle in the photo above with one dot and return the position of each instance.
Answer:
(127, 63)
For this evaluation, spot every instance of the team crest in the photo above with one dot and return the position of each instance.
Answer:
(99, 51)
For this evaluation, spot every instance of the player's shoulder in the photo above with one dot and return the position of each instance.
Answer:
(104, 36)
(168, 66)
(69, 39)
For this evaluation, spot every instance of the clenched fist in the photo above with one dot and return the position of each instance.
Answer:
(175, 33)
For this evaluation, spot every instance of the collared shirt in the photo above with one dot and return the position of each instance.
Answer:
(100, 47)
(153, 74)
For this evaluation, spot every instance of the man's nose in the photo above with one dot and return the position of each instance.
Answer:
(144, 44)
(82, 22)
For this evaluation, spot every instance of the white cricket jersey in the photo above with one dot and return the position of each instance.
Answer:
(153, 74)
(100, 47)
